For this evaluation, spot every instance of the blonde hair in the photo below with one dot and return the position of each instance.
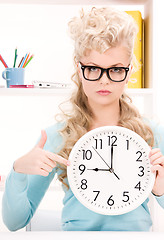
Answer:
(102, 28)
(99, 29)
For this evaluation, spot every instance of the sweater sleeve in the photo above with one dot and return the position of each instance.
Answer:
(22, 195)
(160, 200)
(23, 192)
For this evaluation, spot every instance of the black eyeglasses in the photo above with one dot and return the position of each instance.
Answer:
(94, 73)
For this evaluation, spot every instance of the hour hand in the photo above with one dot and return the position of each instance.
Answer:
(99, 169)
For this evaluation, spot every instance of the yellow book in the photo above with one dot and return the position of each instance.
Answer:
(136, 80)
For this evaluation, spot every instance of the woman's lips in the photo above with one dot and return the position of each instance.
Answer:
(103, 92)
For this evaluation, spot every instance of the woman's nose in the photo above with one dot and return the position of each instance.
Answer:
(104, 78)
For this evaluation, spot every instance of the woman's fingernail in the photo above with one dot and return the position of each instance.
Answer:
(68, 163)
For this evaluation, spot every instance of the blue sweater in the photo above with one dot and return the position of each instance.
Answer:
(23, 194)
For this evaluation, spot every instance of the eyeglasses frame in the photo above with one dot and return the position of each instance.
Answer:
(104, 70)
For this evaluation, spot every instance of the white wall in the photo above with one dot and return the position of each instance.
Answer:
(158, 57)
(42, 31)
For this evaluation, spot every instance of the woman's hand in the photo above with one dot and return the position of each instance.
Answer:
(39, 161)
(157, 161)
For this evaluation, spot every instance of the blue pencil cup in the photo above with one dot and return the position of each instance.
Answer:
(13, 76)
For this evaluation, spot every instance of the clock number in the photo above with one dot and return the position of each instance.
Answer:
(125, 194)
(110, 201)
(82, 168)
(87, 154)
(140, 155)
(100, 144)
(112, 140)
(96, 194)
(127, 141)
(84, 184)
(142, 171)
(138, 186)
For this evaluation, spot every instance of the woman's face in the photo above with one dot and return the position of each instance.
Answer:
(104, 91)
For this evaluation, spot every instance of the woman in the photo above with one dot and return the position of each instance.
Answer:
(104, 40)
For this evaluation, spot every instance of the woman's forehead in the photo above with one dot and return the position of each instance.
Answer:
(112, 56)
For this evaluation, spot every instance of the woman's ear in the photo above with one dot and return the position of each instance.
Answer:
(77, 65)
(79, 70)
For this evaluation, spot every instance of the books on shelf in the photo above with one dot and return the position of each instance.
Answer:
(137, 78)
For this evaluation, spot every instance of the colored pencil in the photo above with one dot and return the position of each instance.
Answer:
(26, 60)
(29, 60)
(15, 58)
(2, 60)
(20, 62)
(23, 60)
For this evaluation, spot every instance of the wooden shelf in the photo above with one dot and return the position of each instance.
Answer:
(33, 91)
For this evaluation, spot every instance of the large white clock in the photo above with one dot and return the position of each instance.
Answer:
(110, 171)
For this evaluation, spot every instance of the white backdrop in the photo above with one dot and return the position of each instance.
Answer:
(41, 30)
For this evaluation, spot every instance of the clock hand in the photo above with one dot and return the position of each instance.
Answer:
(101, 157)
(110, 169)
(112, 157)
(98, 169)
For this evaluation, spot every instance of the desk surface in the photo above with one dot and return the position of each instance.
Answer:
(82, 235)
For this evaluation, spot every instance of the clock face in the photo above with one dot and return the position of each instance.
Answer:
(110, 170)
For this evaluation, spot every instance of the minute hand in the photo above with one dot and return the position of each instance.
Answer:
(112, 157)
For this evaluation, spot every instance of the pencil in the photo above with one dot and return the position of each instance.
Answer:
(20, 62)
(23, 60)
(15, 58)
(29, 60)
(26, 60)
(2, 60)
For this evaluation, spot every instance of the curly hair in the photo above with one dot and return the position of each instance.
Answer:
(99, 29)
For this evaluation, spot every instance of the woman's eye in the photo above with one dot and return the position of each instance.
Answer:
(117, 70)
(92, 69)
